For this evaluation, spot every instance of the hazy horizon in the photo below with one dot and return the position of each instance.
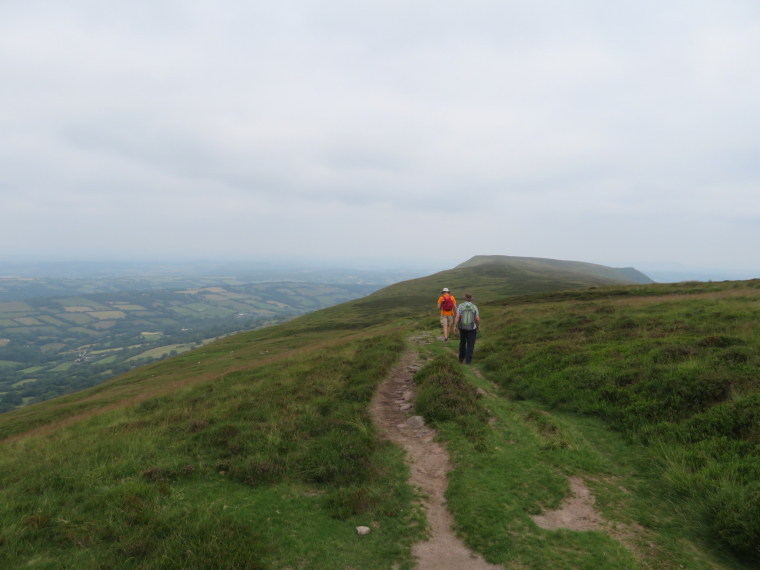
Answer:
(302, 269)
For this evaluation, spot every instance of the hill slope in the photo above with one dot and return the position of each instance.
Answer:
(554, 266)
(257, 451)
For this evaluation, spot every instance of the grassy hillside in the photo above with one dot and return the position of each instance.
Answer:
(256, 451)
(486, 282)
(542, 265)
(673, 367)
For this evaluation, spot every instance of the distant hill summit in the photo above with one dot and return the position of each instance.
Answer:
(492, 277)
(623, 274)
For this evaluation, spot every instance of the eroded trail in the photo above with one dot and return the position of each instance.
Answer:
(429, 463)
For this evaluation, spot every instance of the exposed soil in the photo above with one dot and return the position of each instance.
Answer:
(428, 462)
(575, 513)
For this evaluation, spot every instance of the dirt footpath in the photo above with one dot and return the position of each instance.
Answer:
(428, 462)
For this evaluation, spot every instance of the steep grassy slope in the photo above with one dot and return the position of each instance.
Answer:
(542, 265)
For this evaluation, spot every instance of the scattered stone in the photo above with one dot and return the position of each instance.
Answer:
(401, 426)
(363, 530)
(416, 421)
(482, 392)
(491, 421)
(408, 395)
(405, 407)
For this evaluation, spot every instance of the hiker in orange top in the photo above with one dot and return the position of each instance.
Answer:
(448, 306)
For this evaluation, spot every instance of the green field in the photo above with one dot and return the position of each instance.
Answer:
(14, 307)
(161, 350)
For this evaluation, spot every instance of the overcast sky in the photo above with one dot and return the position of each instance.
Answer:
(615, 132)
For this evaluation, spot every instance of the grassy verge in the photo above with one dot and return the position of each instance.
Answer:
(266, 467)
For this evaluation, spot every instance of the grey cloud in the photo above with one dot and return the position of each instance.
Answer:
(545, 119)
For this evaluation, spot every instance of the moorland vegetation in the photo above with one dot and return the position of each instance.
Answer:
(257, 451)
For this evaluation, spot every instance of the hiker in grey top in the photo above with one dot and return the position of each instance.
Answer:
(468, 321)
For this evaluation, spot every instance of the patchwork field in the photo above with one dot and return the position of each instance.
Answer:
(55, 345)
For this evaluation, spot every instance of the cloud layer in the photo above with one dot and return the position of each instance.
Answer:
(416, 129)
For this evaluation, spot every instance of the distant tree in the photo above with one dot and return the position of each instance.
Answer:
(13, 398)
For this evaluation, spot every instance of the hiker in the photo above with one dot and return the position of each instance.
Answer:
(468, 321)
(447, 305)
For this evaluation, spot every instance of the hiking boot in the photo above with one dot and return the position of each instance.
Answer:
(461, 360)
(445, 340)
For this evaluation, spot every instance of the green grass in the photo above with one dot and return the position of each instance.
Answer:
(520, 467)
(672, 367)
(264, 468)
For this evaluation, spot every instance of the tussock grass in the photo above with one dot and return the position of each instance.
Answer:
(673, 367)
(444, 395)
(532, 451)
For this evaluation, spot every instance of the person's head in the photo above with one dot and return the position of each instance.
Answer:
(445, 291)
(467, 297)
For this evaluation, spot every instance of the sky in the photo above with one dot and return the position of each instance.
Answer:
(626, 133)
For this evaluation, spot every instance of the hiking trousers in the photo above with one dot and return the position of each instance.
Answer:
(466, 344)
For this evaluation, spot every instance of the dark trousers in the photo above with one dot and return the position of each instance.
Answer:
(466, 344)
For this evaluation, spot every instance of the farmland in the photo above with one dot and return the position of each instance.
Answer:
(51, 346)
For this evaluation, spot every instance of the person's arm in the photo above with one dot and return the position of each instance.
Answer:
(456, 319)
